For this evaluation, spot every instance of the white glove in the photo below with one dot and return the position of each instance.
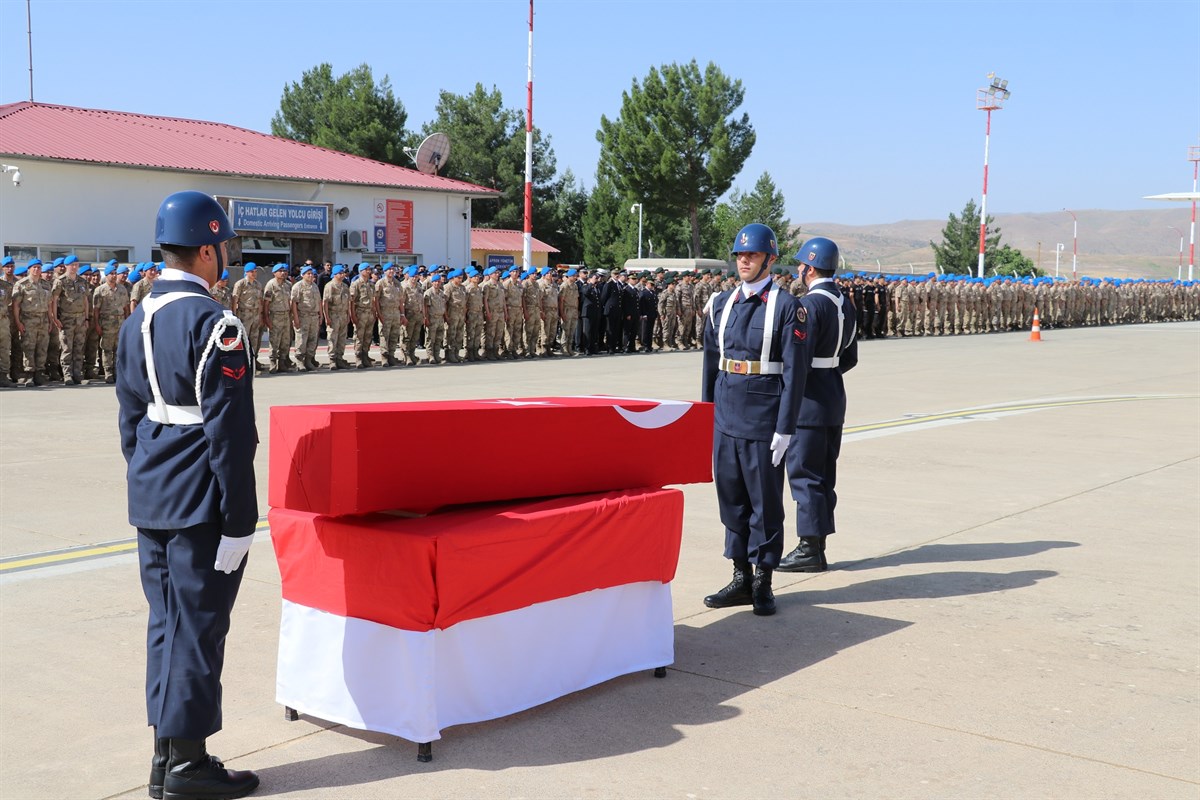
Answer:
(231, 552)
(779, 446)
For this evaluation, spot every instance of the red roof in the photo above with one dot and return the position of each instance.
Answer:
(505, 241)
(39, 130)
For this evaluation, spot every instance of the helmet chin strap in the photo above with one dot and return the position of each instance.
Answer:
(765, 262)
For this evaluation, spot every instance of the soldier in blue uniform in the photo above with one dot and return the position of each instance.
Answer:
(829, 327)
(187, 429)
(754, 367)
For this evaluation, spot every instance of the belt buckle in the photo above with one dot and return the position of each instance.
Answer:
(740, 367)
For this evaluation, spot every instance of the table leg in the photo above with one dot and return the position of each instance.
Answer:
(660, 672)
(290, 714)
(425, 752)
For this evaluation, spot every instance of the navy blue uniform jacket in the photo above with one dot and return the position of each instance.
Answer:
(824, 403)
(754, 406)
(185, 475)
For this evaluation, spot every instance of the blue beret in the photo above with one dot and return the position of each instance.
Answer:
(37, 262)
(338, 270)
(490, 271)
(307, 269)
(572, 273)
(110, 269)
(7, 261)
(122, 270)
(249, 266)
(225, 275)
(436, 276)
(112, 262)
(71, 259)
(85, 269)
(56, 263)
(455, 273)
(411, 270)
(363, 265)
(544, 271)
(279, 268)
(387, 266)
(22, 269)
(135, 276)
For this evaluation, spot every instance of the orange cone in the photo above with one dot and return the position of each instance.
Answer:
(1035, 335)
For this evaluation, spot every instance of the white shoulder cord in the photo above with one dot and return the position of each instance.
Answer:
(241, 341)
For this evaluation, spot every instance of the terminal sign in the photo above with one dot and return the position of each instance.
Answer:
(262, 215)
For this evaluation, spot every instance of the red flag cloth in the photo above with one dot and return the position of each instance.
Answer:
(341, 459)
(458, 564)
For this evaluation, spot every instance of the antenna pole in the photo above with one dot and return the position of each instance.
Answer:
(29, 33)
(527, 254)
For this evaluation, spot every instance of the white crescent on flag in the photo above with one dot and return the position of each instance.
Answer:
(662, 415)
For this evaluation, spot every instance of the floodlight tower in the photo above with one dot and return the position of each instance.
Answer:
(1075, 242)
(638, 206)
(1194, 157)
(989, 99)
(1179, 272)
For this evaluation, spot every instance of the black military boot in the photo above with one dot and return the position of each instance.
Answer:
(809, 556)
(193, 774)
(158, 765)
(761, 595)
(737, 593)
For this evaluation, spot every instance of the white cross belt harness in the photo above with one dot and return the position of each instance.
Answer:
(160, 411)
(764, 366)
(832, 362)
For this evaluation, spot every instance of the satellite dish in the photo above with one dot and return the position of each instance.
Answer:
(431, 156)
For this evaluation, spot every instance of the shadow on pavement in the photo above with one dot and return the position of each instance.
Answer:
(714, 664)
(945, 553)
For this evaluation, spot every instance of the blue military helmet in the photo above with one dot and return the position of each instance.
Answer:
(819, 253)
(191, 219)
(756, 238)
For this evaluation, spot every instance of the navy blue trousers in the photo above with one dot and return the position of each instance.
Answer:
(750, 499)
(812, 473)
(190, 603)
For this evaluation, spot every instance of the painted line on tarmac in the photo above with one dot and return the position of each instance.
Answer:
(73, 555)
(986, 413)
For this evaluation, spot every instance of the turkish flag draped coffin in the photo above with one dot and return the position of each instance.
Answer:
(409, 625)
(340, 459)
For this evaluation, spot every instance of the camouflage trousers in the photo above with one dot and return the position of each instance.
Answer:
(493, 336)
(456, 333)
(364, 329)
(280, 337)
(336, 333)
(435, 338)
(412, 337)
(515, 328)
(549, 333)
(306, 338)
(570, 324)
(391, 331)
(34, 343)
(109, 328)
(475, 327)
(533, 332)
(71, 338)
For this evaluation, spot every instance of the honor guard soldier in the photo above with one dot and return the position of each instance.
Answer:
(754, 375)
(828, 325)
(186, 417)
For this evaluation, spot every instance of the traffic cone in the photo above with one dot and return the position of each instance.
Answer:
(1035, 335)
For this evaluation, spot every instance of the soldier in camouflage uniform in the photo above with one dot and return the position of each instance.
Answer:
(31, 311)
(143, 286)
(362, 314)
(70, 308)
(686, 298)
(549, 298)
(277, 318)
(221, 292)
(531, 311)
(246, 302)
(475, 322)
(6, 293)
(568, 310)
(110, 307)
(668, 312)
(456, 314)
(494, 314)
(414, 315)
(306, 318)
(389, 310)
(513, 297)
(434, 303)
(335, 304)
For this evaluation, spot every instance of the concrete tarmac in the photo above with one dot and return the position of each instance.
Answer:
(1013, 608)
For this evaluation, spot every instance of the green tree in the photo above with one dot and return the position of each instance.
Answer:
(487, 148)
(350, 113)
(959, 250)
(567, 205)
(1011, 261)
(609, 230)
(765, 204)
(677, 145)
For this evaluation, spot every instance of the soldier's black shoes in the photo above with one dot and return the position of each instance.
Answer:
(738, 592)
(763, 599)
(158, 767)
(193, 774)
(809, 556)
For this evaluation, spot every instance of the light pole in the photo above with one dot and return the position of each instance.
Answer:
(1179, 274)
(990, 99)
(1058, 248)
(1075, 243)
(638, 206)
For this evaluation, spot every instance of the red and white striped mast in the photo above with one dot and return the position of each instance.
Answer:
(990, 99)
(1194, 157)
(527, 254)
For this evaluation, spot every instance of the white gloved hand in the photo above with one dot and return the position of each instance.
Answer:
(779, 446)
(231, 552)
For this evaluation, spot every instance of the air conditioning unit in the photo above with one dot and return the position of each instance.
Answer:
(354, 240)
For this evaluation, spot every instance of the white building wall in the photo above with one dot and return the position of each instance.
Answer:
(62, 203)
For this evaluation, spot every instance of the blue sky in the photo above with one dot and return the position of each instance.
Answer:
(865, 112)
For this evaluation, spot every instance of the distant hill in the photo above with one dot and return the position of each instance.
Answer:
(1117, 243)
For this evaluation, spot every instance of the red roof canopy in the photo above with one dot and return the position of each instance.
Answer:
(505, 241)
(40, 130)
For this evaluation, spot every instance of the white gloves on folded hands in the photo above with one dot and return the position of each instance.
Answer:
(779, 446)
(231, 552)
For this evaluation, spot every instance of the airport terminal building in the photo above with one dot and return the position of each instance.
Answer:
(90, 184)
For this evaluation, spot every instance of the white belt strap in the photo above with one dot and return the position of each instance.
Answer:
(766, 366)
(160, 411)
(833, 361)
